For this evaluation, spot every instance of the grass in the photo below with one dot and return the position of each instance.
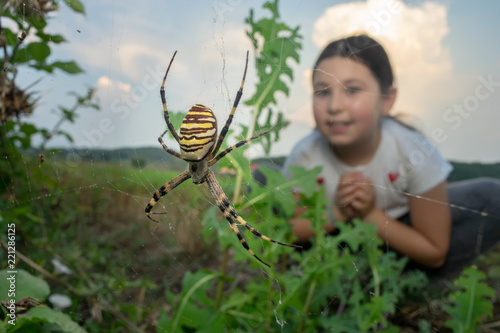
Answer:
(97, 226)
(112, 196)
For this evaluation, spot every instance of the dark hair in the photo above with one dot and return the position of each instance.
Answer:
(368, 51)
(365, 50)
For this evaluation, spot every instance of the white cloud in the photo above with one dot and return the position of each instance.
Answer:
(105, 82)
(413, 38)
(428, 85)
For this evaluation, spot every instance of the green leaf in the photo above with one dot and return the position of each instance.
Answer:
(236, 300)
(50, 38)
(38, 51)
(274, 43)
(24, 324)
(25, 285)
(213, 222)
(278, 190)
(164, 322)
(65, 134)
(376, 309)
(195, 287)
(424, 327)
(212, 322)
(56, 39)
(44, 67)
(76, 5)
(10, 37)
(28, 130)
(275, 122)
(176, 118)
(67, 114)
(358, 234)
(278, 42)
(281, 198)
(62, 320)
(37, 21)
(471, 303)
(236, 160)
(305, 180)
(69, 67)
(393, 329)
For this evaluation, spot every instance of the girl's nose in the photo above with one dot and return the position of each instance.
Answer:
(336, 103)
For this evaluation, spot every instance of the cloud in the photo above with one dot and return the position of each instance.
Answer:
(413, 37)
(106, 82)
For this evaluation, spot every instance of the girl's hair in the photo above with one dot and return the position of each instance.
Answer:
(365, 50)
(368, 51)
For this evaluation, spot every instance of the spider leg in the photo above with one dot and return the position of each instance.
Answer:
(238, 233)
(164, 102)
(230, 149)
(168, 150)
(164, 190)
(229, 212)
(219, 199)
(223, 133)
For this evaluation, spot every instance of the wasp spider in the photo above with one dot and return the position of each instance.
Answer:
(199, 145)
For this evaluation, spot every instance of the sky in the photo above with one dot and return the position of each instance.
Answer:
(445, 56)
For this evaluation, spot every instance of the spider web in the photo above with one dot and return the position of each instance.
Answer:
(113, 193)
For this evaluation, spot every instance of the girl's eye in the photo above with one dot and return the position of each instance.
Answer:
(321, 92)
(352, 90)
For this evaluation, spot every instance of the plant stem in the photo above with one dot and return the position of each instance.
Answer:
(4, 145)
(185, 299)
(258, 103)
(220, 282)
(42, 271)
(251, 129)
(239, 178)
(376, 280)
(269, 304)
(237, 185)
(307, 304)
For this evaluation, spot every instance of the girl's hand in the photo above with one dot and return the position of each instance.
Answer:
(355, 195)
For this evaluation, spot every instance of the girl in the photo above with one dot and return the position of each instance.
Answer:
(370, 162)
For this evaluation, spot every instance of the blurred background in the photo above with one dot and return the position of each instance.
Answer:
(441, 52)
(80, 160)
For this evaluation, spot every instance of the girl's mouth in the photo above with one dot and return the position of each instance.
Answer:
(338, 126)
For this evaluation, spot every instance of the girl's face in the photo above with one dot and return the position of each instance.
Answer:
(348, 103)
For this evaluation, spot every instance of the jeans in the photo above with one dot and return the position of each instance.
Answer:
(473, 232)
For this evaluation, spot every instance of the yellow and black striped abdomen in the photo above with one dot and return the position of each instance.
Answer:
(198, 133)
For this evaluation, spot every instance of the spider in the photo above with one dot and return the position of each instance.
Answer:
(199, 145)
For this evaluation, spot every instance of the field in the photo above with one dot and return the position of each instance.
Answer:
(131, 274)
(111, 199)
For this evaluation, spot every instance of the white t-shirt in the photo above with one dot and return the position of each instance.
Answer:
(405, 162)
